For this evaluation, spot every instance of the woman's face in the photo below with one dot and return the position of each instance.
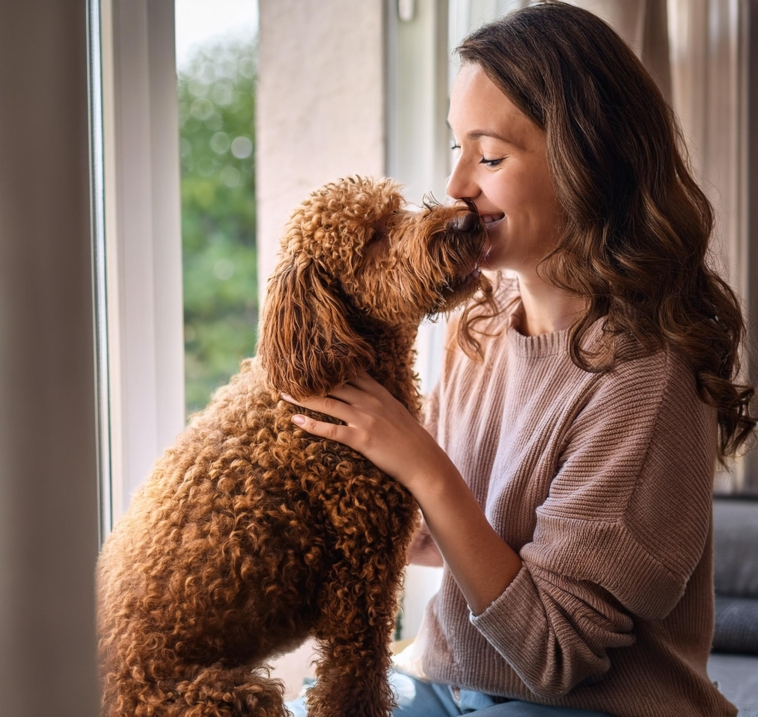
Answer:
(502, 168)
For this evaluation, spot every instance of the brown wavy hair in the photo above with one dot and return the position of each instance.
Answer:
(637, 226)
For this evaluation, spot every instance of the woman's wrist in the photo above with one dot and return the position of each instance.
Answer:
(430, 476)
(482, 564)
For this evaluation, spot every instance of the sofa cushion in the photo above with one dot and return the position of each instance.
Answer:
(735, 542)
(736, 628)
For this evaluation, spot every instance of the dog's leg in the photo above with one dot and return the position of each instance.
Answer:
(357, 615)
(354, 636)
(233, 692)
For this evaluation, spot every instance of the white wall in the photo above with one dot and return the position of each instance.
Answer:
(320, 105)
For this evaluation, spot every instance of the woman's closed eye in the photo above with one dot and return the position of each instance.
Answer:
(489, 162)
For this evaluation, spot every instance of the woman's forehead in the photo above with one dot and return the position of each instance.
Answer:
(479, 108)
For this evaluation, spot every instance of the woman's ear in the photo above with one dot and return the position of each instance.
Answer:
(306, 345)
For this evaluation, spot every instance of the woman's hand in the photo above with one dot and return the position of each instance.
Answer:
(380, 428)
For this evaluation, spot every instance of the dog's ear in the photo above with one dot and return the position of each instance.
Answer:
(306, 345)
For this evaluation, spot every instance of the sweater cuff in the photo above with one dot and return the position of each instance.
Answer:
(496, 622)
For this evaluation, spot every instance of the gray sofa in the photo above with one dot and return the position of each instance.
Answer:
(734, 660)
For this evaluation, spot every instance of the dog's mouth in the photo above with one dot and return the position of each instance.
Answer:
(463, 281)
(466, 279)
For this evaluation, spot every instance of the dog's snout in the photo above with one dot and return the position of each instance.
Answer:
(467, 223)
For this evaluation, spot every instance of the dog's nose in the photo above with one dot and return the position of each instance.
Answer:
(467, 223)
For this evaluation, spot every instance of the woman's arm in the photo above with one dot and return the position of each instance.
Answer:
(616, 540)
(381, 429)
(482, 564)
(423, 550)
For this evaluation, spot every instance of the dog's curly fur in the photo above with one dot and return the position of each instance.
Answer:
(251, 535)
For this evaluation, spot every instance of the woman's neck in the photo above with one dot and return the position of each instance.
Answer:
(546, 308)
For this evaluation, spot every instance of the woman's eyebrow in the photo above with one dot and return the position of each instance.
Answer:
(478, 133)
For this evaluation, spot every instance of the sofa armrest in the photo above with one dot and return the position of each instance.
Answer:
(735, 544)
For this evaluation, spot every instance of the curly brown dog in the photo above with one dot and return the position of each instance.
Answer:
(250, 535)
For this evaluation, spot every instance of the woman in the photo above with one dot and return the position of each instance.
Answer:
(566, 474)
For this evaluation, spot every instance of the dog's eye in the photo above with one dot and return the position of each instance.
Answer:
(380, 234)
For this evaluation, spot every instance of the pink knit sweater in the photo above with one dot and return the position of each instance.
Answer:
(602, 483)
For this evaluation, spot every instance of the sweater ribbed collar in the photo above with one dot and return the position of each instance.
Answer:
(533, 346)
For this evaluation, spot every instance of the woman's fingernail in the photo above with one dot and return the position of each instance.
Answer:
(297, 418)
(286, 396)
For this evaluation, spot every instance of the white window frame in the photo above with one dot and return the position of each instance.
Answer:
(142, 226)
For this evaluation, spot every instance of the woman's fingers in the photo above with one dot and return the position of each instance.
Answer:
(329, 405)
(366, 383)
(331, 431)
(368, 409)
(346, 434)
(348, 394)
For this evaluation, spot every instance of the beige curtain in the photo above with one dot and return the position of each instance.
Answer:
(48, 437)
(708, 51)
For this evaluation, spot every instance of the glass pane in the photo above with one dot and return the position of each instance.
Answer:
(216, 64)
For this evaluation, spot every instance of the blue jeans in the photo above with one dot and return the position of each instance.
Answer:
(427, 699)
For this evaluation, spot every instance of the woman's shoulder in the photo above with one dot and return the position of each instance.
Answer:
(661, 380)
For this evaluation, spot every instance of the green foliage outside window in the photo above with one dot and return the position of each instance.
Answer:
(217, 136)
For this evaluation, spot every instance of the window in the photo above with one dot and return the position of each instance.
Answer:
(147, 203)
(216, 86)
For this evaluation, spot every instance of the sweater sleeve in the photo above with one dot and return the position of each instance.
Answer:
(621, 531)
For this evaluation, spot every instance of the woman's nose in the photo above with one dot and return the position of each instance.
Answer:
(460, 184)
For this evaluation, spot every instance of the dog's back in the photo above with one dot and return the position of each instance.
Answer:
(184, 575)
